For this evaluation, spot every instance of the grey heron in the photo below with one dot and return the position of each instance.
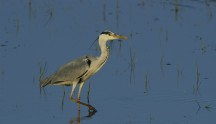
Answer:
(81, 69)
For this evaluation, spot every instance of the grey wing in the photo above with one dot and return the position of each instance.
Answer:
(71, 71)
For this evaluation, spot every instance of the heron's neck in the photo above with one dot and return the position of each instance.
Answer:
(104, 51)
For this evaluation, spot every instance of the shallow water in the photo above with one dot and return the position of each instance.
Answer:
(164, 73)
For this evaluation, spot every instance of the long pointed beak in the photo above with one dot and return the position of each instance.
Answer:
(120, 37)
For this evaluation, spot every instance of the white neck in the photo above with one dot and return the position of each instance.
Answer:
(104, 49)
(103, 57)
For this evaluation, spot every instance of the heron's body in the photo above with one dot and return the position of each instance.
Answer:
(81, 69)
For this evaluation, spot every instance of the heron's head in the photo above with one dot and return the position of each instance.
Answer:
(108, 35)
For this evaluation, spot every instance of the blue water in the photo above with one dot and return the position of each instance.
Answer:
(164, 73)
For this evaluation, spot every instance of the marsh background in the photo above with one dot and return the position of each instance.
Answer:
(164, 73)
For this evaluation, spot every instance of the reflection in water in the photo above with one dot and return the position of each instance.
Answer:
(91, 109)
(79, 117)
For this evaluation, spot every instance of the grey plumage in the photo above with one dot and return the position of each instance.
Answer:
(72, 71)
(79, 70)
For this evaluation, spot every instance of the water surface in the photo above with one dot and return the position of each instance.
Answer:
(164, 73)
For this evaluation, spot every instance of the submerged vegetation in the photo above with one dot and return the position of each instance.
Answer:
(146, 83)
(198, 81)
(43, 69)
(170, 41)
(132, 66)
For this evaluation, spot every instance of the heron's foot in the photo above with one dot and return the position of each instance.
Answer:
(92, 109)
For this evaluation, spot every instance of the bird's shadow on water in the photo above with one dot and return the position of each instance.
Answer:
(91, 110)
(79, 118)
(85, 116)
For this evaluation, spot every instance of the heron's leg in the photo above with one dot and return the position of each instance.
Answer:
(73, 87)
(80, 88)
